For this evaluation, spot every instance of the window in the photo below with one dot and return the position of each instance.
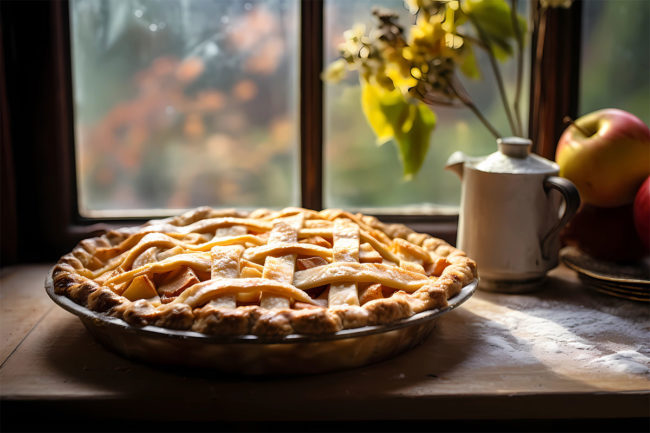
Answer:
(615, 57)
(318, 145)
(179, 104)
(361, 175)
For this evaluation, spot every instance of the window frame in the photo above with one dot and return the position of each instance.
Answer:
(40, 216)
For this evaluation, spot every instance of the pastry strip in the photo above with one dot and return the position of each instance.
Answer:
(150, 255)
(196, 261)
(289, 212)
(364, 236)
(127, 258)
(281, 268)
(257, 254)
(411, 253)
(225, 263)
(170, 230)
(128, 243)
(203, 226)
(201, 293)
(248, 264)
(378, 246)
(212, 224)
(333, 214)
(387, 275)
(346, 249)
(166, 241)
(367, 254)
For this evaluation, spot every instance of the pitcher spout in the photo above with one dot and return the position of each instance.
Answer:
(456, 162)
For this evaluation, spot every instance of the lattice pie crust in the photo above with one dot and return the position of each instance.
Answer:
(266, 273)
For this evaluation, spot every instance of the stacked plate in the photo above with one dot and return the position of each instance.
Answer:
(629, 280)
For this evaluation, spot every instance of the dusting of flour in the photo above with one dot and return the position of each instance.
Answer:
(606, 336)
(625, 361)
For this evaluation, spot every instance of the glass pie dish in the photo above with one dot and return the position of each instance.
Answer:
(288, 291)
(254, 355)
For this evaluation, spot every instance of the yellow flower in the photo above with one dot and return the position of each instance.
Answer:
(353, 38)
(335, 72)
(426, 40)
(400, 76)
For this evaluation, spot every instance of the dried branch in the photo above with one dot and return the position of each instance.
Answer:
(462, 95)
(497, 73)
(520, 66)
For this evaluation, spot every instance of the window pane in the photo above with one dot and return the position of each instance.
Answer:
(361, 175)
(184, 103)
(616, 56)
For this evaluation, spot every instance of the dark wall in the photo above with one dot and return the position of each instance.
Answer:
(35, 116)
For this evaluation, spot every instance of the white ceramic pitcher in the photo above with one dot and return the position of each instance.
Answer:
(511, 214)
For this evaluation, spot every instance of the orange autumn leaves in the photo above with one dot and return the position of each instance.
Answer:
(185, 122)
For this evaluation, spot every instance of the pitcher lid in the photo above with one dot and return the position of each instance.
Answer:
(514, 156)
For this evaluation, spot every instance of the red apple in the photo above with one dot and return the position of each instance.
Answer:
(642, 213)
(606, 154)
(605, 233)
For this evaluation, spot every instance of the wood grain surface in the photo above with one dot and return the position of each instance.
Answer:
(561, 352)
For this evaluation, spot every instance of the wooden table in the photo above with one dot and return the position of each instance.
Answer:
(562, 354)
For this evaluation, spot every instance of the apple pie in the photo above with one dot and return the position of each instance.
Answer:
(264, 273)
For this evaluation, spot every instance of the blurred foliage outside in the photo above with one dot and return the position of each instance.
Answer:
(616, 57)
(360, 174)
(185, 103)
(614, 73)
(180, 104)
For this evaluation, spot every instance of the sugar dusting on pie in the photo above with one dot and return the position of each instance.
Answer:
(266, 273)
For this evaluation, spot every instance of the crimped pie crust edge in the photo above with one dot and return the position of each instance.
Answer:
(255, 320)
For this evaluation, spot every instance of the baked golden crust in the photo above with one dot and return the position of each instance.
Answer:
(266, 273)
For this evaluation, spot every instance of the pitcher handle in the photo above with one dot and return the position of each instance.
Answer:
(572, 203)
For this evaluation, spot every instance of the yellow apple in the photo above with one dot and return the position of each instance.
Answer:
(606, 154)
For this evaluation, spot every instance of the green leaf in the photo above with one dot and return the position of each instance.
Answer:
(382, 109)
(494, 18)
(392, 116)
(413, 137)
(469, 65)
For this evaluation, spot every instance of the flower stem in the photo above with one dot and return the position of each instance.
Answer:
(537, 89)
(459, 91)
(520, 65)
(497, 73)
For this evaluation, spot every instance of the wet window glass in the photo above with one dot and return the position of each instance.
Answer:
(184, 103)
(615, 45)
(359, 173)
